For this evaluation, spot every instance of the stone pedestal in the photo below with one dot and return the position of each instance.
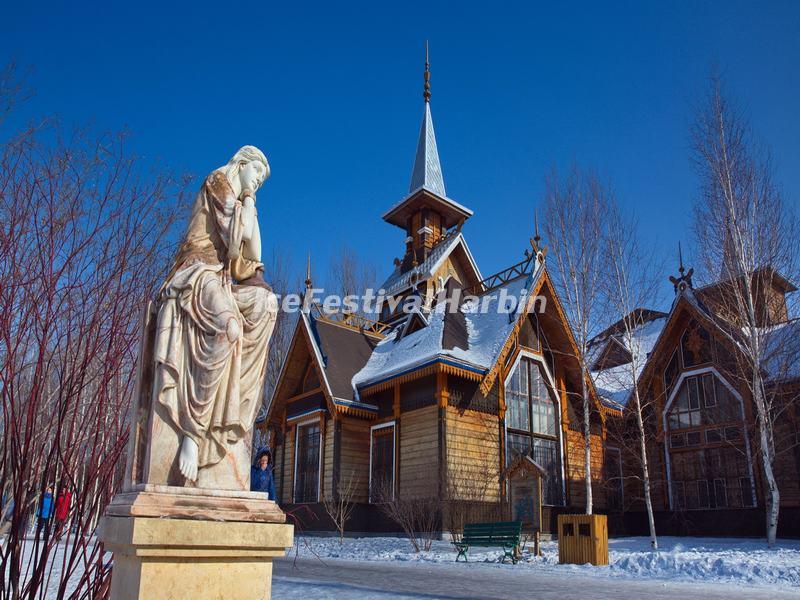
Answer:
(210, 545)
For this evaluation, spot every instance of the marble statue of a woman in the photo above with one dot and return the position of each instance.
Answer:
(215, 316)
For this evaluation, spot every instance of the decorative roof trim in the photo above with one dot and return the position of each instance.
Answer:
(304, 414)
(440, 363)
(449, 201)
(342, 402)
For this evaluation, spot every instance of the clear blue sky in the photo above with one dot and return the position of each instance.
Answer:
(332, 92)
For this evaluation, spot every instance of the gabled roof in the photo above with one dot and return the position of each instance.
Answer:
(344, 351)
(685, 299)
(336, 351)
(453, 242)
(616, 383)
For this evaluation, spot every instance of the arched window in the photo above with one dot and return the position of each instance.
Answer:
(532, 424)
(708, 454)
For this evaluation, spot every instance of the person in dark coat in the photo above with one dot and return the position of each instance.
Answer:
(44, 513)
(261, 477)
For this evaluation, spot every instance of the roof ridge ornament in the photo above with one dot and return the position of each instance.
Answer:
(684, 279)
(539, 250)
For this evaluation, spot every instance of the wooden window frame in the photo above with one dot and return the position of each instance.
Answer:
(394, 457)
(297, 427)
(740, 423)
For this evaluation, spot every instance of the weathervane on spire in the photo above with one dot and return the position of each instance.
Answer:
(427, 93)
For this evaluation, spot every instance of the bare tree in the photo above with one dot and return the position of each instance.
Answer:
(85, 233)
(418, 517)
(276, 273)
(630, 286)
(348, 275)
(746, 236)
(340, 504)
(575, 223)
(13, 90)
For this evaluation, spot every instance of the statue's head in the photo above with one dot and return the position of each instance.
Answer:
(249, 166)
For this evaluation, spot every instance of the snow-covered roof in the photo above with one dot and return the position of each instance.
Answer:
(782, 351)
(399, 281)
(487, 332)
(616, 383)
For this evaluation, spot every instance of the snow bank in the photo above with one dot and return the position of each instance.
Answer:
(709, 560)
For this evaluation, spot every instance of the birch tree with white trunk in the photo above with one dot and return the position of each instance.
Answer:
(575, 223)
(630, 285)
(747, 239)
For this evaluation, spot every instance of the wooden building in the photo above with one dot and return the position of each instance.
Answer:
(428, 402)
(705, 466)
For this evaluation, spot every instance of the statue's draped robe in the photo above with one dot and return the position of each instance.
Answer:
(210, 386)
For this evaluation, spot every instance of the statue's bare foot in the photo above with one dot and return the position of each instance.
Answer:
(187, 461)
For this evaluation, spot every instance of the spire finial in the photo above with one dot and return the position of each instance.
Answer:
(427, 93)
(308, 271)
(685, 279)
(536, 237)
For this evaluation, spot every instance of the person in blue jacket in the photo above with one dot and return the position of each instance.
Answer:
(44, 513)
(261, 477)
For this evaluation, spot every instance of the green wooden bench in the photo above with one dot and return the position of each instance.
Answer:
(503, 535)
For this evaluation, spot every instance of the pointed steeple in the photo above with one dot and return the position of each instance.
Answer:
(426, 213)
(427, 171)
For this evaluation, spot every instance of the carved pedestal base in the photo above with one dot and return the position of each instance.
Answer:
(147, 500)
(175, 558)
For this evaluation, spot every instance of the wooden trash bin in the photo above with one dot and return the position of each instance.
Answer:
(583, 539)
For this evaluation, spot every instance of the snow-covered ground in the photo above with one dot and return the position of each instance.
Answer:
(707, 560)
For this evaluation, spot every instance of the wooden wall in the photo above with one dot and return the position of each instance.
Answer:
(287, 466)
(575, 469)
(354, 455)
(327, 462)
(419, 453)
(473, 455)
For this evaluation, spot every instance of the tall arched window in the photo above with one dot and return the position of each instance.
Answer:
(532, 424)
(709, 462)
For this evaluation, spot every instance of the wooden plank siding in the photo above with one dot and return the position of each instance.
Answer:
(288, 465)
(327, 463)
(354, 456)
(472, 446)
(575, 468)
(419, 451)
